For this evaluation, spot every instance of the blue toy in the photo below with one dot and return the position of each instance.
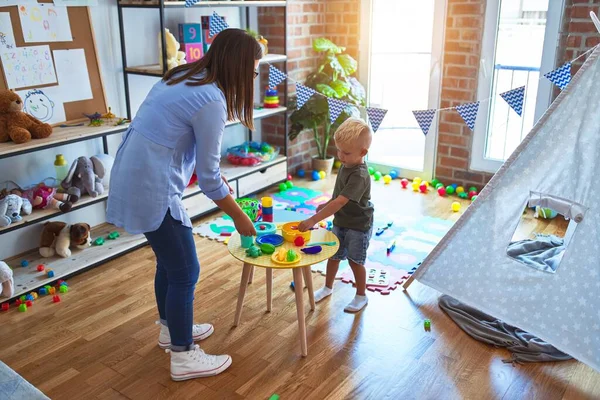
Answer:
(30, 297)
(394, 174)
(43, 291)
(24, 263)
(50, 274)
(301, 173)
(315, 176)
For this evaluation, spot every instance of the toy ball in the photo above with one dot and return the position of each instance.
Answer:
(41, 267)
(289, 184)
(435, 182)
(418, 180)
(289, 178)
(394, 174)
(463, 195)
(322, 174)
(24, 263)
(404, 183)
(441, 191)
(423, 187)
(415, 187)
(450, 189)
(387, 179)
(315, 176)
(377, 175)
(282, 187)
(438, 185)
(455, 206)
(546, 213)
(472, 189)
(301, 173)
(472, 193)
(337, 164)
(454, 185)
(460, 190)
(371, 170)
(251, 207)
(473, 198)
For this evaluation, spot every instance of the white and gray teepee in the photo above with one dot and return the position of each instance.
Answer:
(559, 161)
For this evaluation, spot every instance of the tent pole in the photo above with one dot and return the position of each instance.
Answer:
(595, 20)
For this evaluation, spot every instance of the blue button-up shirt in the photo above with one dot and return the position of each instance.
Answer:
(177, 128)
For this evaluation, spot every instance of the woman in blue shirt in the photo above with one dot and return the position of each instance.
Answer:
(177, 129)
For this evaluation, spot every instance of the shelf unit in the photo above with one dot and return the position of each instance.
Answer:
(244, 180)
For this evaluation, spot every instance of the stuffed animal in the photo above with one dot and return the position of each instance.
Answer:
(174, 56)
(85, 177)
(58, 237)
(42, 197)
(16, 125)
(104, 162)
(7, 288)
(11, 208)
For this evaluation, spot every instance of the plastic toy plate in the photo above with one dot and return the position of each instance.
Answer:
(275, 260)
(274, 239)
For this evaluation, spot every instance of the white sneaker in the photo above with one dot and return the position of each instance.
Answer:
(196, 363)
(199, 332)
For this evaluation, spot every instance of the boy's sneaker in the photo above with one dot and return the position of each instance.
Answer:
(195, 363)
(199, 332)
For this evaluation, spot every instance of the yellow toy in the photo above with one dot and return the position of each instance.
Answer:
(417, 180)
(174, 56)
(460, 190)
(415, 186)
(285, 256)
(455, 206)
(387, 179)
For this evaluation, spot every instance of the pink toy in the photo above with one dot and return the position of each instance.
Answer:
(394, 277)
(404, 183)
(472, 193)
(193, 51)
(423, 187)
(42, 197)
(442, 191)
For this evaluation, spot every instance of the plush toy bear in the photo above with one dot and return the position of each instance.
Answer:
(58, 237)
(7, 283)
(16, 125)
(175, 57)
(11, 208)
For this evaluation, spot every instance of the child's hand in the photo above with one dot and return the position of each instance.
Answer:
(244, 226)
(306, 225)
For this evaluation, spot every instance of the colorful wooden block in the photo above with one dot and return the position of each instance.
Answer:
(63, 289)
(190, 33)
(22, 307)
(193, 51)
(5, 306)
(52, 290)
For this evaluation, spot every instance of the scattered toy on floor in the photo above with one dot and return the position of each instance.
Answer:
(455, 206)
(22, 307)
(301, 173)
(427, 324)
(41, 268)
(383, 228)
(50, 273)
(56, 298)
(24, 263)
(5, 306)
(404, 183)
(99, 241)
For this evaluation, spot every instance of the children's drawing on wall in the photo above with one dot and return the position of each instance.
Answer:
(7, 37)
(44, 104)
(45, 22)
(28, 66)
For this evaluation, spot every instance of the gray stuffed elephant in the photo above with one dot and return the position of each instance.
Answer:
(84, 177)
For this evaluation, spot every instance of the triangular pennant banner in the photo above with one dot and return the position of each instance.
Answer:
(424, 118)
(216, 24)
(376, 115)
(514, 98)
(275, 77)
(189, 3)
(303, 93)
(335, 108)
(468, 112)
(560, 76)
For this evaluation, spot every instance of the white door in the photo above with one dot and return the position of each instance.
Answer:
(400, 65)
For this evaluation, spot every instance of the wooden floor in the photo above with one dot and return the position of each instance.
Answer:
(100, 341)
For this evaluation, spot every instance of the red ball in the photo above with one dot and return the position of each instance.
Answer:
(299, 241)
(423, 187)
(289, 177)
(442, 191)
(472, 193)
(40, 267)
(404, 183)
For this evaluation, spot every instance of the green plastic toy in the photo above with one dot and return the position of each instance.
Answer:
(99, 241)
(253, 252)
(291, 255)
(113, 235)
(321, 244)
(22, 307)
(427, 324)
(267, 248)
(63, 289)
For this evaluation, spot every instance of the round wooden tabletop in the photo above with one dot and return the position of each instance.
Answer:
(319, 235)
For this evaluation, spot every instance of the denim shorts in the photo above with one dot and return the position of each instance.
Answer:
(353, 244)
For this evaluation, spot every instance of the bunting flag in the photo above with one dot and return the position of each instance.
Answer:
(376, 115)
(216, 24)
(303, 93)
(514, 98)
(335, 108)
(275, 77)
(468, 112)
(560, 76)
(189, 3)
(424, 118)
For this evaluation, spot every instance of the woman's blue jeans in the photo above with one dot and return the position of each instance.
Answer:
(177, 271)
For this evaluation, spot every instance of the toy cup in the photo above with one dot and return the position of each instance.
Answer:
(247, 241)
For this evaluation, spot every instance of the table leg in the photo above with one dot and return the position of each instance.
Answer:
(242, 292)
(300, 310)
(309, 284)
(269, 288)
(251, 274)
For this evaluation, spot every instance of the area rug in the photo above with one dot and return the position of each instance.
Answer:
(14, 387)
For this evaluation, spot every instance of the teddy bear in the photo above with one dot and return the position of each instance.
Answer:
(16, 125)
(7, 283)
(84, 177)
(58, 237)
(11, 208)
(175, 57)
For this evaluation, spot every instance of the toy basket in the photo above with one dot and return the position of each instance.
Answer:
(252, 153)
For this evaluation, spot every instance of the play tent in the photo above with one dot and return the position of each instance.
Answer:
(556, 166)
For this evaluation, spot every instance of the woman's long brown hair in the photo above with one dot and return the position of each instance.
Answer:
(230, 63)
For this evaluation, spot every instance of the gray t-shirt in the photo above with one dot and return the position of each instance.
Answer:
(354, 183)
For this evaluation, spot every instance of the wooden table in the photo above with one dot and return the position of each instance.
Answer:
(300, 268)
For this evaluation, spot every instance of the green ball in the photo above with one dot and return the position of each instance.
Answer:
(371, 170)
(463, 195)
(377, 175)
(449, 189)
(435, 182)
(473, 198)
(289, 184)
(472, 189)
(439, 185)
(282, 187)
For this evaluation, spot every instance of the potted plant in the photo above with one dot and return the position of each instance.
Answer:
(333, 78)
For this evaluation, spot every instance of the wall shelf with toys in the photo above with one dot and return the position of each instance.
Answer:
(201, 3)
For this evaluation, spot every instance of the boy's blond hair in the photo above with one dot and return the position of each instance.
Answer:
(355, 131)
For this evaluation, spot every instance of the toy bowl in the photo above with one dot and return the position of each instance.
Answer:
(268, 228)
(290, 232)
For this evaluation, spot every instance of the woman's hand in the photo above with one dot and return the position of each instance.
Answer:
(227, 183)
(244, 226)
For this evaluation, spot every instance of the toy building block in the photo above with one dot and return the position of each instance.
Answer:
(24, 263)
(113, 235)
(99, 241)
(5, 306)
(52, 290)
(23, 298)
(35, 295)
(50, 273)
(193, 51)
(427, 324)
(63, 289)
(18, 302)
(30, 297)
(28, 303)
(190, 33)
(22, 307)
(43, 291)
(56, 299)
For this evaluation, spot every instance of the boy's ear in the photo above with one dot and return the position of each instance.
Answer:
(364, 152)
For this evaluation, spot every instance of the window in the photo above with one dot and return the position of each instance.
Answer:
(518, 47)
(545, 231)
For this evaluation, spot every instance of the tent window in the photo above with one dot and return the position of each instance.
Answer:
(545, 231)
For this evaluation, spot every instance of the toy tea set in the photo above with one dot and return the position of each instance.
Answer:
(268, 241)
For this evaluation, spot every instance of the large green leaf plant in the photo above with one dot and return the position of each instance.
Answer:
(333, 78)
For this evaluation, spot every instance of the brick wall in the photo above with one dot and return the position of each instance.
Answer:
(336, 20)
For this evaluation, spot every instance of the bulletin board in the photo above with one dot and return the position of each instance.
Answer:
(76, 90)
